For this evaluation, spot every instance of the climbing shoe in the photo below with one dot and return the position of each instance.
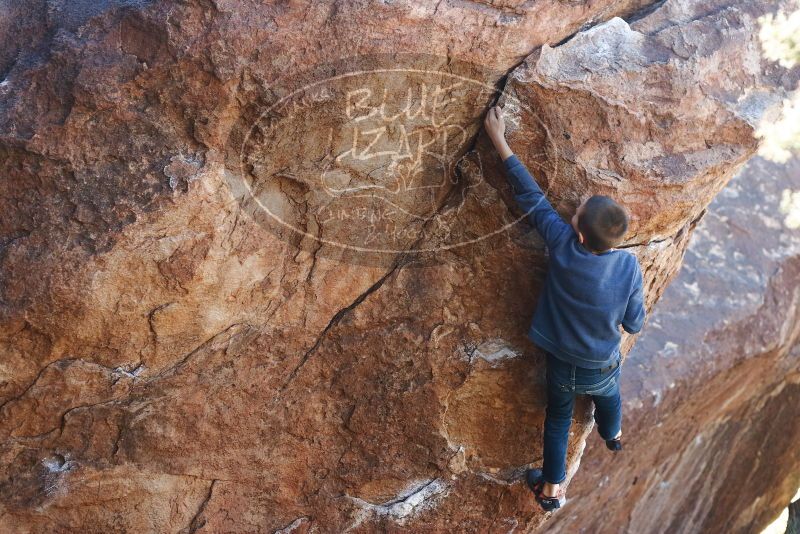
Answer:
(535, 480)
(614, 444)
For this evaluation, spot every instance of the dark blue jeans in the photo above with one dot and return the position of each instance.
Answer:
(564, 381)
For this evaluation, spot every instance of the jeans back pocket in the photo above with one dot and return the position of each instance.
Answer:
(604, 387)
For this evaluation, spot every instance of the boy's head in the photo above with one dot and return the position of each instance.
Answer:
(600, 223)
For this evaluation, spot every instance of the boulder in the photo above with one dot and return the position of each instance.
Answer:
(262, 272)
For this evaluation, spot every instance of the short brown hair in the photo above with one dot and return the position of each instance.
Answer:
(603, 223)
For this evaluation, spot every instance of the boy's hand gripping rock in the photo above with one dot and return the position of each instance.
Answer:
(495, 124)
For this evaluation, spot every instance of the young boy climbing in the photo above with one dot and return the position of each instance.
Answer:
(590, 289)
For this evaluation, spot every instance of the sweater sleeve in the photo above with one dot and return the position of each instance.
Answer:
(635, 313)
(530, 197)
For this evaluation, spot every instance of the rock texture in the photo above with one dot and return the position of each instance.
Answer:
(711, 389)
(174, 360)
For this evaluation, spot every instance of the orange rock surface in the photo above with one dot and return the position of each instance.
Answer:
(261, 272)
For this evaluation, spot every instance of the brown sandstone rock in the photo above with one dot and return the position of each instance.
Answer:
(163, 341)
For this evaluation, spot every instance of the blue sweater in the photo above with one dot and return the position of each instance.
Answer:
(586, 296)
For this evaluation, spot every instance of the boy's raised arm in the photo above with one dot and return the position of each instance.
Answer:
(527, 192)
(531, 199)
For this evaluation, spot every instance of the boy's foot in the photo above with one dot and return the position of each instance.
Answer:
(535, 480)
(615, 444)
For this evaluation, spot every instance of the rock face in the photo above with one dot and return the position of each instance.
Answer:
(262, 273)
(711, 389)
